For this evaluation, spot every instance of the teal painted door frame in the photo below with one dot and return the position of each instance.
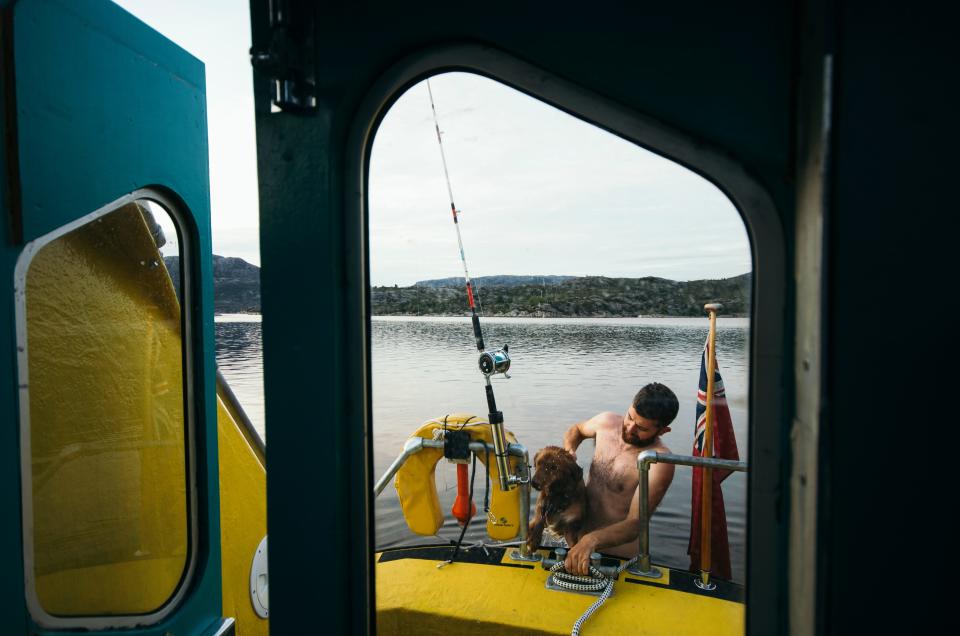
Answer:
(98, 105)
(668, 79)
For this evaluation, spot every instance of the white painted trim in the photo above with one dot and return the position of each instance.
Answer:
(226, 627)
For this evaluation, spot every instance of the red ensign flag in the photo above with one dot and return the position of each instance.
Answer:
(724, 447)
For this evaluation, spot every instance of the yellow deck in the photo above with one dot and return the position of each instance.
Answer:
(415, 597)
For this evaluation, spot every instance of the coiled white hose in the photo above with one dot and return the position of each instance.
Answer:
(587, 584)
(576, 583)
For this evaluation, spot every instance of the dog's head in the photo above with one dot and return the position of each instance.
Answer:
(555, 471)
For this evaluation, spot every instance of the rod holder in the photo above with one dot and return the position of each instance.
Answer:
(500, 453)
(495, 417)
(524, 553)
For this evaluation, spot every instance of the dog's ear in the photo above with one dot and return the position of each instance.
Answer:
(546, 480)
(572, 473)
(552, 471)
(560, 474)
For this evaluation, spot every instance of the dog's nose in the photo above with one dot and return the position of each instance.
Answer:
(535, 483)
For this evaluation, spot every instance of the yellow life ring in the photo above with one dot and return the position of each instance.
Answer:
(417, 487)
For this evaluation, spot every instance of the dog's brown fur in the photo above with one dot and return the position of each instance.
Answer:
(562, 505)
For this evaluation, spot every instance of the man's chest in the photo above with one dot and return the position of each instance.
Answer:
(613, 469)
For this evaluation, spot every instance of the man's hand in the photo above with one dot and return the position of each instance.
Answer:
(578, 558)
(577, 433)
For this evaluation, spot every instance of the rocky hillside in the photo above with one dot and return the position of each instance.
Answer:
(585, 296)
(497, 281)
(236, 284)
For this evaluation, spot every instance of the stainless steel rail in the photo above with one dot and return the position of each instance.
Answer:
(410, 447)
(644, 460)
(522, 478)
(240, 416)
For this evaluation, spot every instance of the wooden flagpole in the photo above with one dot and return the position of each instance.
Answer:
(706, 496)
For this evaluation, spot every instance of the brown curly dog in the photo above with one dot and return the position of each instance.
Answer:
(562, 504)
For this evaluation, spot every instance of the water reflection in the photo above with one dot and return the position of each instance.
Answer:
(240, 360)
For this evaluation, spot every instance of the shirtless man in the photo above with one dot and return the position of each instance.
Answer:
(613, 492)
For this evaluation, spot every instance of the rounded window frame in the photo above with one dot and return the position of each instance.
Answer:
(766, 531)
(182, 219)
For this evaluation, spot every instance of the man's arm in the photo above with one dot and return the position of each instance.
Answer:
(579, 432)
(578, 558)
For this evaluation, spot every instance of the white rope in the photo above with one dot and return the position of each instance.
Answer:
(456, 427)
(607, 591)
(576, 583)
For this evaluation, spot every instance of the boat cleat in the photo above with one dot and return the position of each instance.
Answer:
(592, 585)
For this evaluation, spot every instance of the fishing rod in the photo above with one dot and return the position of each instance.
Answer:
(491, 362)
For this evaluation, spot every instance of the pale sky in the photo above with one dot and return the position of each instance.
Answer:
(540, 191)
(218, 33)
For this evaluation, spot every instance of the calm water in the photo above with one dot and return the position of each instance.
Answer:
(563, 371)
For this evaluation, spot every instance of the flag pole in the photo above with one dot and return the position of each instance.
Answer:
(706, 499)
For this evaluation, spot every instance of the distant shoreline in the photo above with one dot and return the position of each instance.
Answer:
(467, 317)
(236, 291)
(566, 297)
(527, 317)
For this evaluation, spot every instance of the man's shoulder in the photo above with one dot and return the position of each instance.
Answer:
(660, 447)
(607, 424)
(607, 419)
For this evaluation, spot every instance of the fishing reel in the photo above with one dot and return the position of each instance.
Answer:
(495, 362)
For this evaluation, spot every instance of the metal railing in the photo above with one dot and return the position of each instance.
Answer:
(644, 460)
(522, 479)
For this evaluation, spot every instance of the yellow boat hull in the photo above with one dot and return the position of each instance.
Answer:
(496, 595)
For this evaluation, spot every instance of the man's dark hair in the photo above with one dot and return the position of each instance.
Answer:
(656, 402)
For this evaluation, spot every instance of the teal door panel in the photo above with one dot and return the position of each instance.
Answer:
(103, 106)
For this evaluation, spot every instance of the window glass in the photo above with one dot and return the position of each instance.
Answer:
(106, 421)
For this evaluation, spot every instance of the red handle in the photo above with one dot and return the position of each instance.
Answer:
(463, 508)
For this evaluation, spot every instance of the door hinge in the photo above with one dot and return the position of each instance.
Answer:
(289, 57)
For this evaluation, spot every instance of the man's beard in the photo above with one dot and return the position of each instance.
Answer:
(639, 443)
